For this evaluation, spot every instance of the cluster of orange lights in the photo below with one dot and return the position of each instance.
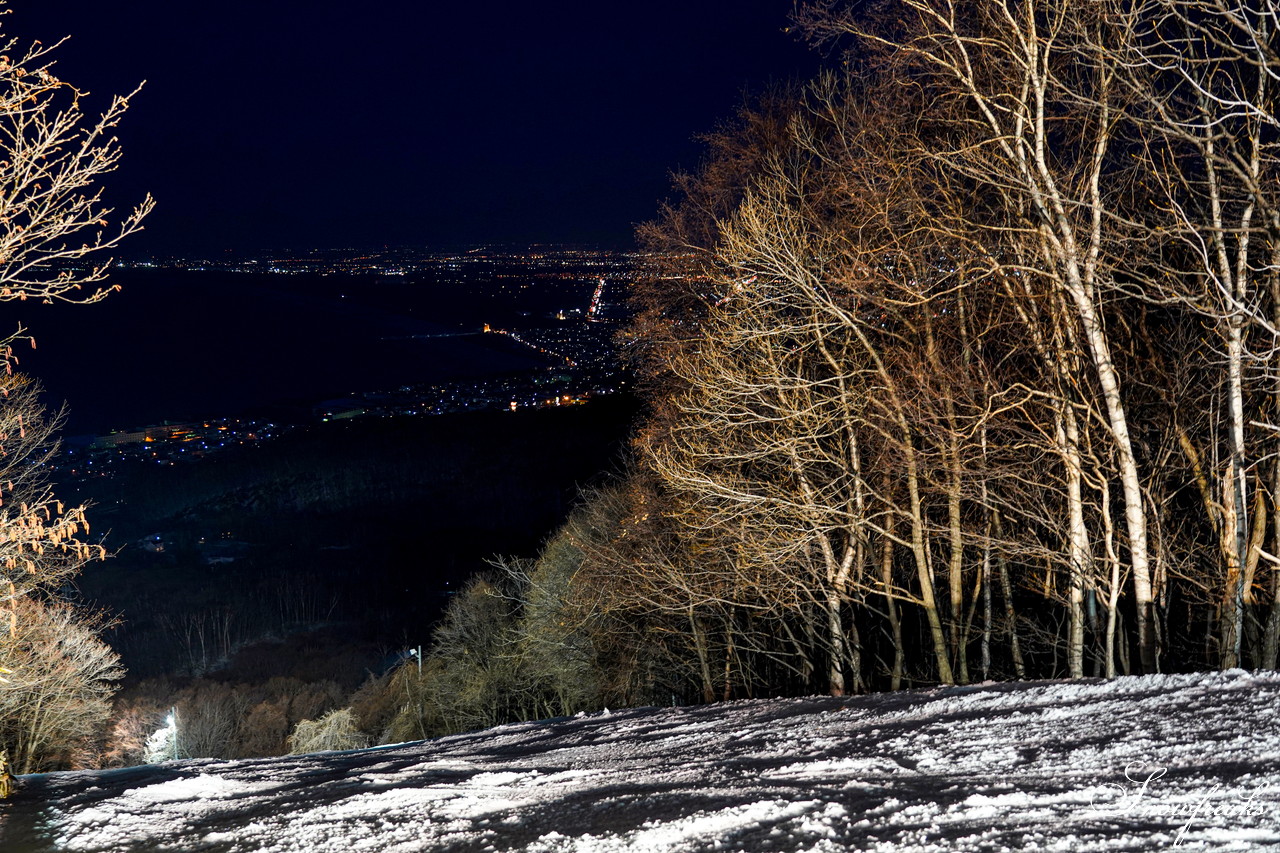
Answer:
(562, 400)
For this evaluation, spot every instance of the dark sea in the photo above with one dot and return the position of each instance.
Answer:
(180, 345)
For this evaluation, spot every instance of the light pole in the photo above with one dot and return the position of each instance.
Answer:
(173, 724)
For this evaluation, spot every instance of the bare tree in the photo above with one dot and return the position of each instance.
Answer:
(53, 158)
(993, 320)
(41, 540)
(1038, 106)
(58, 698)
(336, 730)
(1203, 99)
(53, 155)
(837, 342)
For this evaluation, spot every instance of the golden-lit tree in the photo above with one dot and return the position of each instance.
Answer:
(53, 156)
(1032, 88)
(990, 319)
(54, 225)
(41, 540)
(1201, 78)
(57, 673)
(58, 698)
(52, 218)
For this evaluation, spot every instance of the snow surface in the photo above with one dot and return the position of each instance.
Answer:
(1174, 761)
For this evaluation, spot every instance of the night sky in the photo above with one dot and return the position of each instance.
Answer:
(275, 124)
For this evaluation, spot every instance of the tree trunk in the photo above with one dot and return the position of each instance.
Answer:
(1271, 642)
(891, 605)
(986, 606)
(837, 641)
(704, 660)
(1078, 540)
(1011, 617)
(924, 572)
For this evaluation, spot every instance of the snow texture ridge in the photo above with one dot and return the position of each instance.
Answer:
(1144, 763)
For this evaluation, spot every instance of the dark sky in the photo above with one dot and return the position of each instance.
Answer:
(278, 124)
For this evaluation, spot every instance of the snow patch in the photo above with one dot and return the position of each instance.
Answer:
(1150, 763)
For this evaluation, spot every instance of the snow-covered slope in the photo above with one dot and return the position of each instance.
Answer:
(1133, 764)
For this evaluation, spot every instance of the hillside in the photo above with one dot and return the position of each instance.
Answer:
(1134, 764)
(368, 522)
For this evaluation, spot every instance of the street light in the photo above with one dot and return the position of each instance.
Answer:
(416, 653)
